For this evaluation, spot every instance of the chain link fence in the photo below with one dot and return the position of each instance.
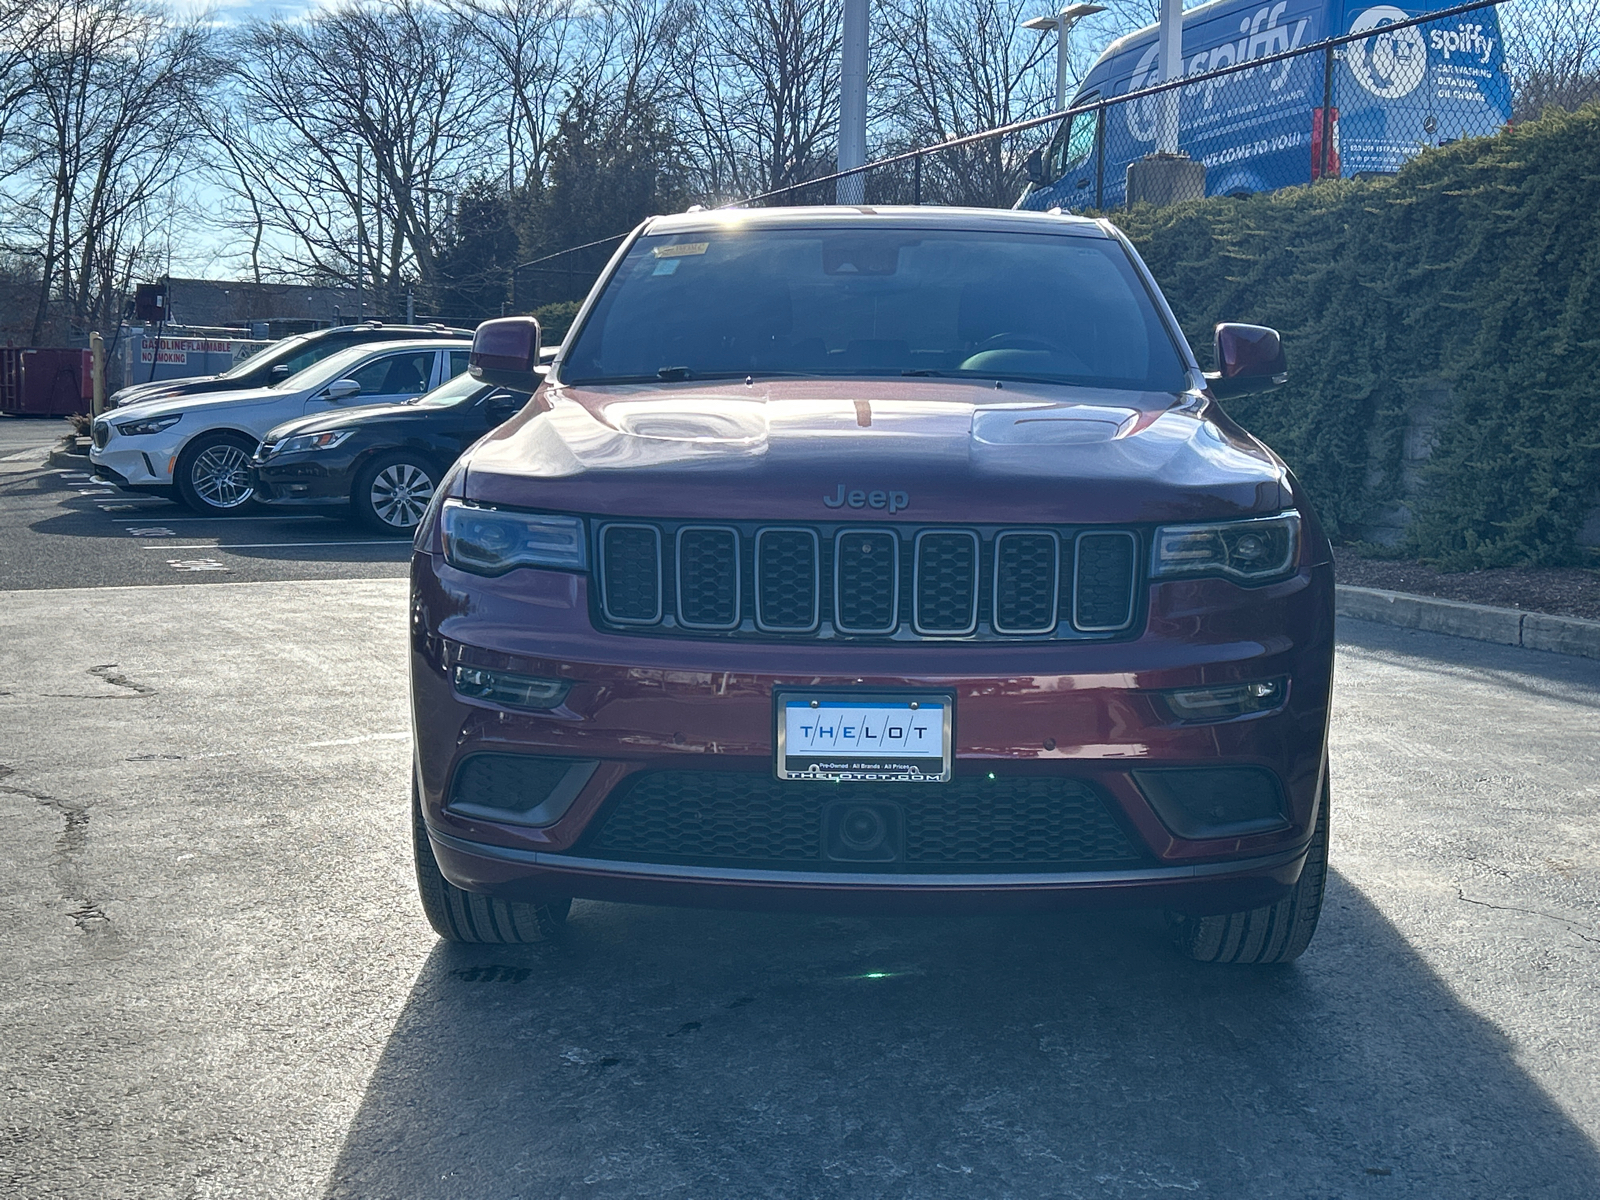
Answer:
(1268, 101)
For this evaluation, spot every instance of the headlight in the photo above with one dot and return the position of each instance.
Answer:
(490, 541)
(311, 441)
(1253, 551)
(153, 425)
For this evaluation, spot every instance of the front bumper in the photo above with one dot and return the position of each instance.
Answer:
(140, 461)
(323, 477)
(1082, 711)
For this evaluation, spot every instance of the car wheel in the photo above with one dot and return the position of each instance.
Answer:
(458, 915)
(393, 493)
(213, 475)
(1277, 933)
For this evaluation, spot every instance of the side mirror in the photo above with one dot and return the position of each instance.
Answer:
(502, 406)
(342, 389)
(1249, 359)
(1035, 168)
(279, 373)
(506, 351)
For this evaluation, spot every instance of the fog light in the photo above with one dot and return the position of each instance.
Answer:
(514, 691)
(1212, 802)
(1221, 701)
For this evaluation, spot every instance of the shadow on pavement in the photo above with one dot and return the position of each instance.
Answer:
(1534, 673)
(659, 1052)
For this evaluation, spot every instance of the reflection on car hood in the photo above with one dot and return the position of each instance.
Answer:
(163, 405)
(820, 450)
(346, 418)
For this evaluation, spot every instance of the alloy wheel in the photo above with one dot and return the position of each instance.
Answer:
(400, 494)
(221, 476)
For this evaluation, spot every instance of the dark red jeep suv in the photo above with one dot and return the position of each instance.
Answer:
(891, 560)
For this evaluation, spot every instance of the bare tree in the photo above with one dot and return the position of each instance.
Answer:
(959, 67)
(100, 136)
(760, 92)
(528, 48)
(1552, 54)
(353, 132)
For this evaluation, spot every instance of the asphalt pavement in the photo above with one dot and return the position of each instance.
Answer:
(216, 980)
(60, 527)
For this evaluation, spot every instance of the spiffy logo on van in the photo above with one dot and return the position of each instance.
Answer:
(1468, 39)
(1263, 36)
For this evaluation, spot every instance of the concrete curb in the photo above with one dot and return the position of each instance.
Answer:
(69, 452)
(1508, 626)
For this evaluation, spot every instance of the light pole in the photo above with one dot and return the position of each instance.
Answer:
(853, 104)
(1062, 23)
(1170, 35)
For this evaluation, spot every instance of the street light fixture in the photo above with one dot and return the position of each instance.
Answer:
(1062, 23)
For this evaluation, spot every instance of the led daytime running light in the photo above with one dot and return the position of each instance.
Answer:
(511, 690)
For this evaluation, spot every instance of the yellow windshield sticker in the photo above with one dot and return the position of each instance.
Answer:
(682, 250)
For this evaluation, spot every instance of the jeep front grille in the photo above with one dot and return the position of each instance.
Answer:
(900, 583)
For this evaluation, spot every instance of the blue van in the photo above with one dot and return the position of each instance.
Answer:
(1393, 94)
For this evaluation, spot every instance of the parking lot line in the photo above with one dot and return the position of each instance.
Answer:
(230, 520)
(266, 545)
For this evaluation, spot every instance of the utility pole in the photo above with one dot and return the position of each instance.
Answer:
(1062, 23)
(853, 104)
(360, 238)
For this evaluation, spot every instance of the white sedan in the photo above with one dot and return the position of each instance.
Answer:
(201, 445)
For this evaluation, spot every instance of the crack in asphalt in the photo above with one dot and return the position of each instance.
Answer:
(140, 691)
(86, 914)
(1532, 912)
(122, 681)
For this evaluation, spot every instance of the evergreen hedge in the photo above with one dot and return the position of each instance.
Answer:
(1477, 264)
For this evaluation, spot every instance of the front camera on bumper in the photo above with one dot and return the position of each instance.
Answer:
(513, 691)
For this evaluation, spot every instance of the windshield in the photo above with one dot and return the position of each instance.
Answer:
(278, 352)
(462, 389)
(1047, 307)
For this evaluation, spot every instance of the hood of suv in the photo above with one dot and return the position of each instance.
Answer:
(810, 450)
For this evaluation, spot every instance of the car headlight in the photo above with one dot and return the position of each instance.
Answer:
(150, 425)
(1254, 550)
(310, 441)
(491, 541)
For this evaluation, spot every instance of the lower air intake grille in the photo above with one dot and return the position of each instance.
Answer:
(735, 819)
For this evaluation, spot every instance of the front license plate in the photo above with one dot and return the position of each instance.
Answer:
(899, 737)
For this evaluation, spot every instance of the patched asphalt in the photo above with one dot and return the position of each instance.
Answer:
(216, 980)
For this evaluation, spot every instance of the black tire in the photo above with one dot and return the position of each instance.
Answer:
(213, 475)
(1278, 933)
(393, 490)
(461, 916)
